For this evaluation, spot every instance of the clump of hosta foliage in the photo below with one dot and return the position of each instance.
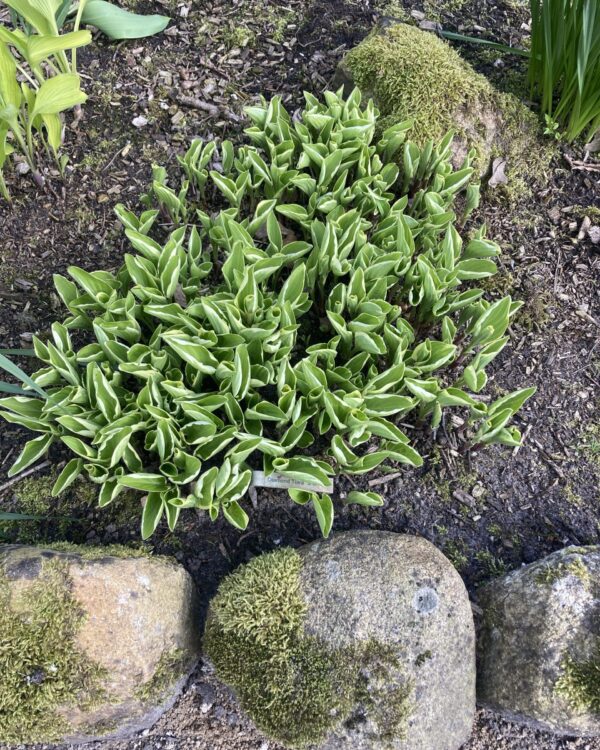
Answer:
(292, 331)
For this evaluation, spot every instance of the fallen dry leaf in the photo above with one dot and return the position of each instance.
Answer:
(498, 176)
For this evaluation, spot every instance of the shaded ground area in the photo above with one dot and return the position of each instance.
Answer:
(490, 511)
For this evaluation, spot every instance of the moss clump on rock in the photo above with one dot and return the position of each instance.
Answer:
(388, 707)
(172, 666)
(40, 666)
(98, 552)
(294, 687)
(412, 74)
(580, 683)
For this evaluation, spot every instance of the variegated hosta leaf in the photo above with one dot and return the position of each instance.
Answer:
(331, 297)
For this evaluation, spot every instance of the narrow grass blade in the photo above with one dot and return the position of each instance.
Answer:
(12, 369)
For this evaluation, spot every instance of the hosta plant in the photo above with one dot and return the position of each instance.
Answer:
(38, 82)
(38, 70)
(330, 299)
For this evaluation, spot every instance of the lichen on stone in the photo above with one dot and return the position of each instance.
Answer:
(574, 566)
(172, 666)
(387, 707)
(579, 683)
(296, 688)
(41, 667)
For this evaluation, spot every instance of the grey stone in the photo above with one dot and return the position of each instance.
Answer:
(401, 592)
(535, 620)
(138, 625)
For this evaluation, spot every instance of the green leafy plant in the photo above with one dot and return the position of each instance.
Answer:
(113, 21)
(38, 83)
(329, 298)
(564, 63)
(552, 128)
(38, 79)
(117, 23)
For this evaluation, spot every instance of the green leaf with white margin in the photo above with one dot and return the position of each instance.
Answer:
(324, 510)
(152, 483)
(194, 353)
(106, 398)
(301, 497)
(172, 513)
(513, 401)
(293, 211)
(57, 94)
(67, 476)
(79, 447)
(108, 492)
(369, 499)
(117, 23)
(30, 453)
(153, 511)
(204, 490)
(236, 515)
(303, 470)
(240, 380)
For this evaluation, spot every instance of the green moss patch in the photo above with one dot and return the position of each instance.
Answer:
(41, 668)
(295, 688)
(572, 567)
(171, 666)
(580, 683)
(414, 75)
(98, 552)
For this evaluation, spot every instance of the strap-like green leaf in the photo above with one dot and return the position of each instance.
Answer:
(117, 23)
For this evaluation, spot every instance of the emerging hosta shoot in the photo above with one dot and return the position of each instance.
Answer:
(329, 299)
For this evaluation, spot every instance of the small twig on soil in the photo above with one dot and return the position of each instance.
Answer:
(558, 269)
(464, 498)
(22, 475)
(523, 439)
(462, 519)
(113, 157)
(447, 463)
(190, 101)
(586, 316)
(385, 479)
(547, 458)
(8, 455)
(582, 165)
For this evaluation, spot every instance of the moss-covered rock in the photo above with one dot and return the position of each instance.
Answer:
(364, 641)
(414, 75)
(539, 647)
(91, 647)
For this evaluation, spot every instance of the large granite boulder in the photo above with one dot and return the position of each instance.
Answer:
(95, 642)
(414, 75)
(364, 641)
(539, 646)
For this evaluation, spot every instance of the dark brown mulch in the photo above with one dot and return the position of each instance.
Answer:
(489, 511)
